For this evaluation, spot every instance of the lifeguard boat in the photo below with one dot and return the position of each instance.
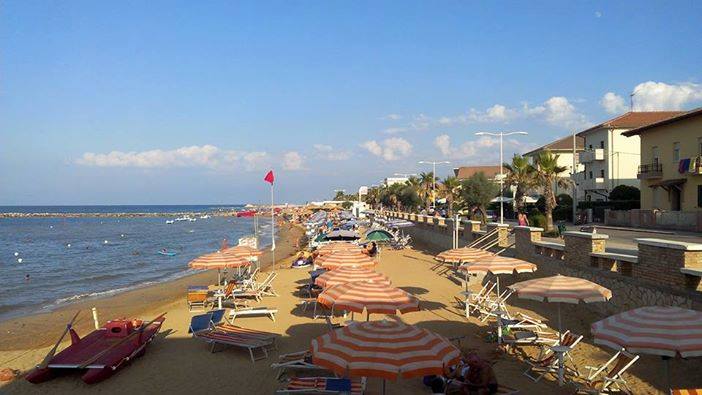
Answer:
(246, 213)
(100, 353)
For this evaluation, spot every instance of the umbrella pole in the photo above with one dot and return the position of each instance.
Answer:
(383, 386)
(666, 363)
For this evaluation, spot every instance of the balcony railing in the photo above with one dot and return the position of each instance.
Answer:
(591, 155)
(651, 170)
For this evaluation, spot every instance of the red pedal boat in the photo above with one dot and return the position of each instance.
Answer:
(100, 353)
(246, 213)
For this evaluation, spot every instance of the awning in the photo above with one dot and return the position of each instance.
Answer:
(667, 184)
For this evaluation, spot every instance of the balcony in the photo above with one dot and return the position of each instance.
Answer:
(649, 171)
(588, 184)
(592, 155)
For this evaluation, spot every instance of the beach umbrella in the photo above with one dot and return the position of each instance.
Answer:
(218, 260)
(342, 235)
(350, 274)
(561, 289)
(341, 246)
(387, 349)
(666, 331)
(463, 254)
(243, 251)
(379, 235)
(375, 298)
(340, 259)
(497, 265)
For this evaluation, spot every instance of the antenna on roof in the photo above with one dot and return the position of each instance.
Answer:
(631, 101)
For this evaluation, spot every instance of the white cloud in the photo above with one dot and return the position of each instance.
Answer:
(206, 156)
(613, 103)
(390, 149)
(392, 117)
(558, 111)
(293, 161)
(472, 149)
(394, 130)
(598, 14)
(329, 153)
(193, 156)
(652, 96)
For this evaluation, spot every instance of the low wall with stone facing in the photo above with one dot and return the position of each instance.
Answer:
(664, 273)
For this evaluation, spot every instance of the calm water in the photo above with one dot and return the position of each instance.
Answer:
(117, 209)
(90, 267)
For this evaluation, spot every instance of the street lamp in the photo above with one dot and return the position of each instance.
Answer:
(502, 176)
(433, 180)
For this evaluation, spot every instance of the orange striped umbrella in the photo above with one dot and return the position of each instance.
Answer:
(243, 251)
(562, 289)
(349, 274)
(334, 247)
(218, 260)
(385, 349)
(373, 297)
(496, 264)
(464, 254)
(340, 259)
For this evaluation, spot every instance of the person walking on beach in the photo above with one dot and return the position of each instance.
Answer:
(522, 219)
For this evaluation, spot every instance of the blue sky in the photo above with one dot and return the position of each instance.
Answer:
(192, 102)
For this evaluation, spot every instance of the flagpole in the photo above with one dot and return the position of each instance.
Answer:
(272, 228)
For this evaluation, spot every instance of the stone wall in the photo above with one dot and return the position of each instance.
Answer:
(665, 273)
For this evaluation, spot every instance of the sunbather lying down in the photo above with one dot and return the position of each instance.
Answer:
(472, 375)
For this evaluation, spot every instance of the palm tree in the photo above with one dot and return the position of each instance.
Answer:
(546, 174)
(450, 189)
(520, 174)
(426, 184)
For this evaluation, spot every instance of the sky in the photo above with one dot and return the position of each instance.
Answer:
(169, 102)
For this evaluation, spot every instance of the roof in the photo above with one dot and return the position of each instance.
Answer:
(632, 120)
(563, 144)
(464, 172)
(685, 115)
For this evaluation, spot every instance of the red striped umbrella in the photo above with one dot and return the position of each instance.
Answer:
(218, 260)
(385, 349)
(345, 275)
(333, 247)
(373, 297)
(665, 331)
(243, 251)
(340, 259)
(464, 254)
(496, 264)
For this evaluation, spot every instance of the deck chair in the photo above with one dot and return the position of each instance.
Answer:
(219, 323)
(197, 299)
(238, 311)
(475, 300)
(608, 377)
(201, 328)
(259, 290)
(301, 360)
(324, 385)
(526, 330)
(489, 305)
(547, 361)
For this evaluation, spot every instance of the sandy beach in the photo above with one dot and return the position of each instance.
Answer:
(179, 364)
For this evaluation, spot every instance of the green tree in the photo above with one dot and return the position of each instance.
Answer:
(426, 183)
(450, 188)
(520, 174)
(625, 192)
(546, 174)
(477, 191)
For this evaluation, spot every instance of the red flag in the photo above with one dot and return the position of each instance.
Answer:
(269, 177)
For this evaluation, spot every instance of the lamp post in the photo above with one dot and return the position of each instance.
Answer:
(433, 180)
(502, 175)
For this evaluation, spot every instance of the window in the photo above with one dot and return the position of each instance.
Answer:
(699, 196)
(654, 155)
(676, 152)
(590, 147)
(602, 144)
(591, 174)
(602, 173)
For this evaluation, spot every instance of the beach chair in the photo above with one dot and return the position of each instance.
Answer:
(526, 330)
(238, 311)
(219, 323)
(324, 385)
(608, 377)
(547, 361)
(474, 300)
(489, 305)
(301, 360)
(259, 290)
(197, 299)
(201, 329)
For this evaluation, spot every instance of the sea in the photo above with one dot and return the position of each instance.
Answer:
(49, 262)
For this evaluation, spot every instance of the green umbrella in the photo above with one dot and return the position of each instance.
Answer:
(320, 238)
(379, 235)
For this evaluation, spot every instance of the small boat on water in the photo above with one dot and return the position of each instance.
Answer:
(206, 216)
(246, 213)
(167, 253)
(170, 221)
(99, 354)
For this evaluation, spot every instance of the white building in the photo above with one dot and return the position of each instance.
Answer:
(562, 147)
(395, 180)
(611, 159)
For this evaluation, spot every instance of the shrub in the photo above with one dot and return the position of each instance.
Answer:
(625, 192)
(537, 220)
